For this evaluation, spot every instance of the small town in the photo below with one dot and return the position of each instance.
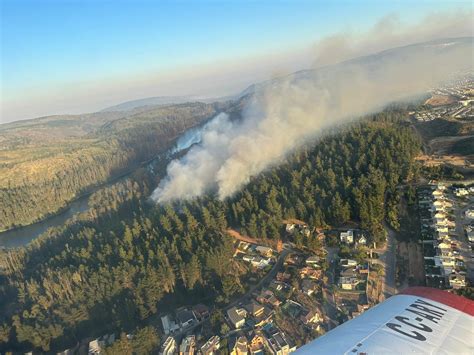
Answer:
(297, 293)
(453, 100)
(294, 293)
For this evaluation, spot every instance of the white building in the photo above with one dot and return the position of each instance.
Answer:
(461, 191)
(347, 237)
(290, 227)
(169, 325)
(457, 280)
(263, 250)
(470, 213)
(169, 346)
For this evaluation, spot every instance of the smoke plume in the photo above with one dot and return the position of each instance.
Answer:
(286, 113)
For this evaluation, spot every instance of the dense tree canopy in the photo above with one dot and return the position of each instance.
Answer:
(117, 264)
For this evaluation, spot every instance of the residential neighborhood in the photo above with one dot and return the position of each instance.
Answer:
(453, 100)
(446, 232)
(293, 297)
(296, 292)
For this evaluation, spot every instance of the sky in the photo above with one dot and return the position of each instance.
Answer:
(71, 56)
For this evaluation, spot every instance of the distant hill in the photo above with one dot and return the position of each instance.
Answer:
(159, 101)
(372, 60)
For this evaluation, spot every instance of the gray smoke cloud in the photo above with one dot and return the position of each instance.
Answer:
(287, 113)
(391, 32)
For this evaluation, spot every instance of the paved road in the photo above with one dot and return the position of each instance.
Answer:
(387, 257)
(329, 304)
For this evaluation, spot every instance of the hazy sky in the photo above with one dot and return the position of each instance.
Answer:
(71, 56)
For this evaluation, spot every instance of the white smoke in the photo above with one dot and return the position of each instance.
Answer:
(291, 111)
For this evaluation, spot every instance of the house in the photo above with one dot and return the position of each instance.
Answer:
(258, 261)
(444, 246)
(294, 259)
(440, 215)
(348, 272)
(211, 346)
(461, 191)
(283, 276)
(312, 260)
(243, 245)
(470, 213)
(305, 230)
(96, 345)
(310, 273)
(446, 262)
(253, 308)
(347, 237)
(278, 344)
(363, 269)
(257, 344)
(201, 311)
(169, 325)
(438, 203)
(280, 286)
(311, 317)
(186, 318)
(168, 347)
(290, 228)
(457, 280)
(188, 346)
(348, 283)
(441, 222)
(236, 317)
(442, 229)
(240, 347)
(470, 236)
(264, 251)
(264, 318)
(247, 258)
(268, 297)
(362, 240)
(348, 263)
(308, 286)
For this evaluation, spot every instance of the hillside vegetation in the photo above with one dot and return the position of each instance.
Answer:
(445, 127)
(124, 261)
(463, 147)
(47, 162)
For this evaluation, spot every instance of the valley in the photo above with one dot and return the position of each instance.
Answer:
(77, 154)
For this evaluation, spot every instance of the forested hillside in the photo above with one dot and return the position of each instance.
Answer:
(45, 163)
(343, 177)
(120, 262)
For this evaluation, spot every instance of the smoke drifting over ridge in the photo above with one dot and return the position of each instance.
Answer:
(289, 112)
(391, 32)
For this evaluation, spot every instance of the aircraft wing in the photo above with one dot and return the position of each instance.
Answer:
(419, 320)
